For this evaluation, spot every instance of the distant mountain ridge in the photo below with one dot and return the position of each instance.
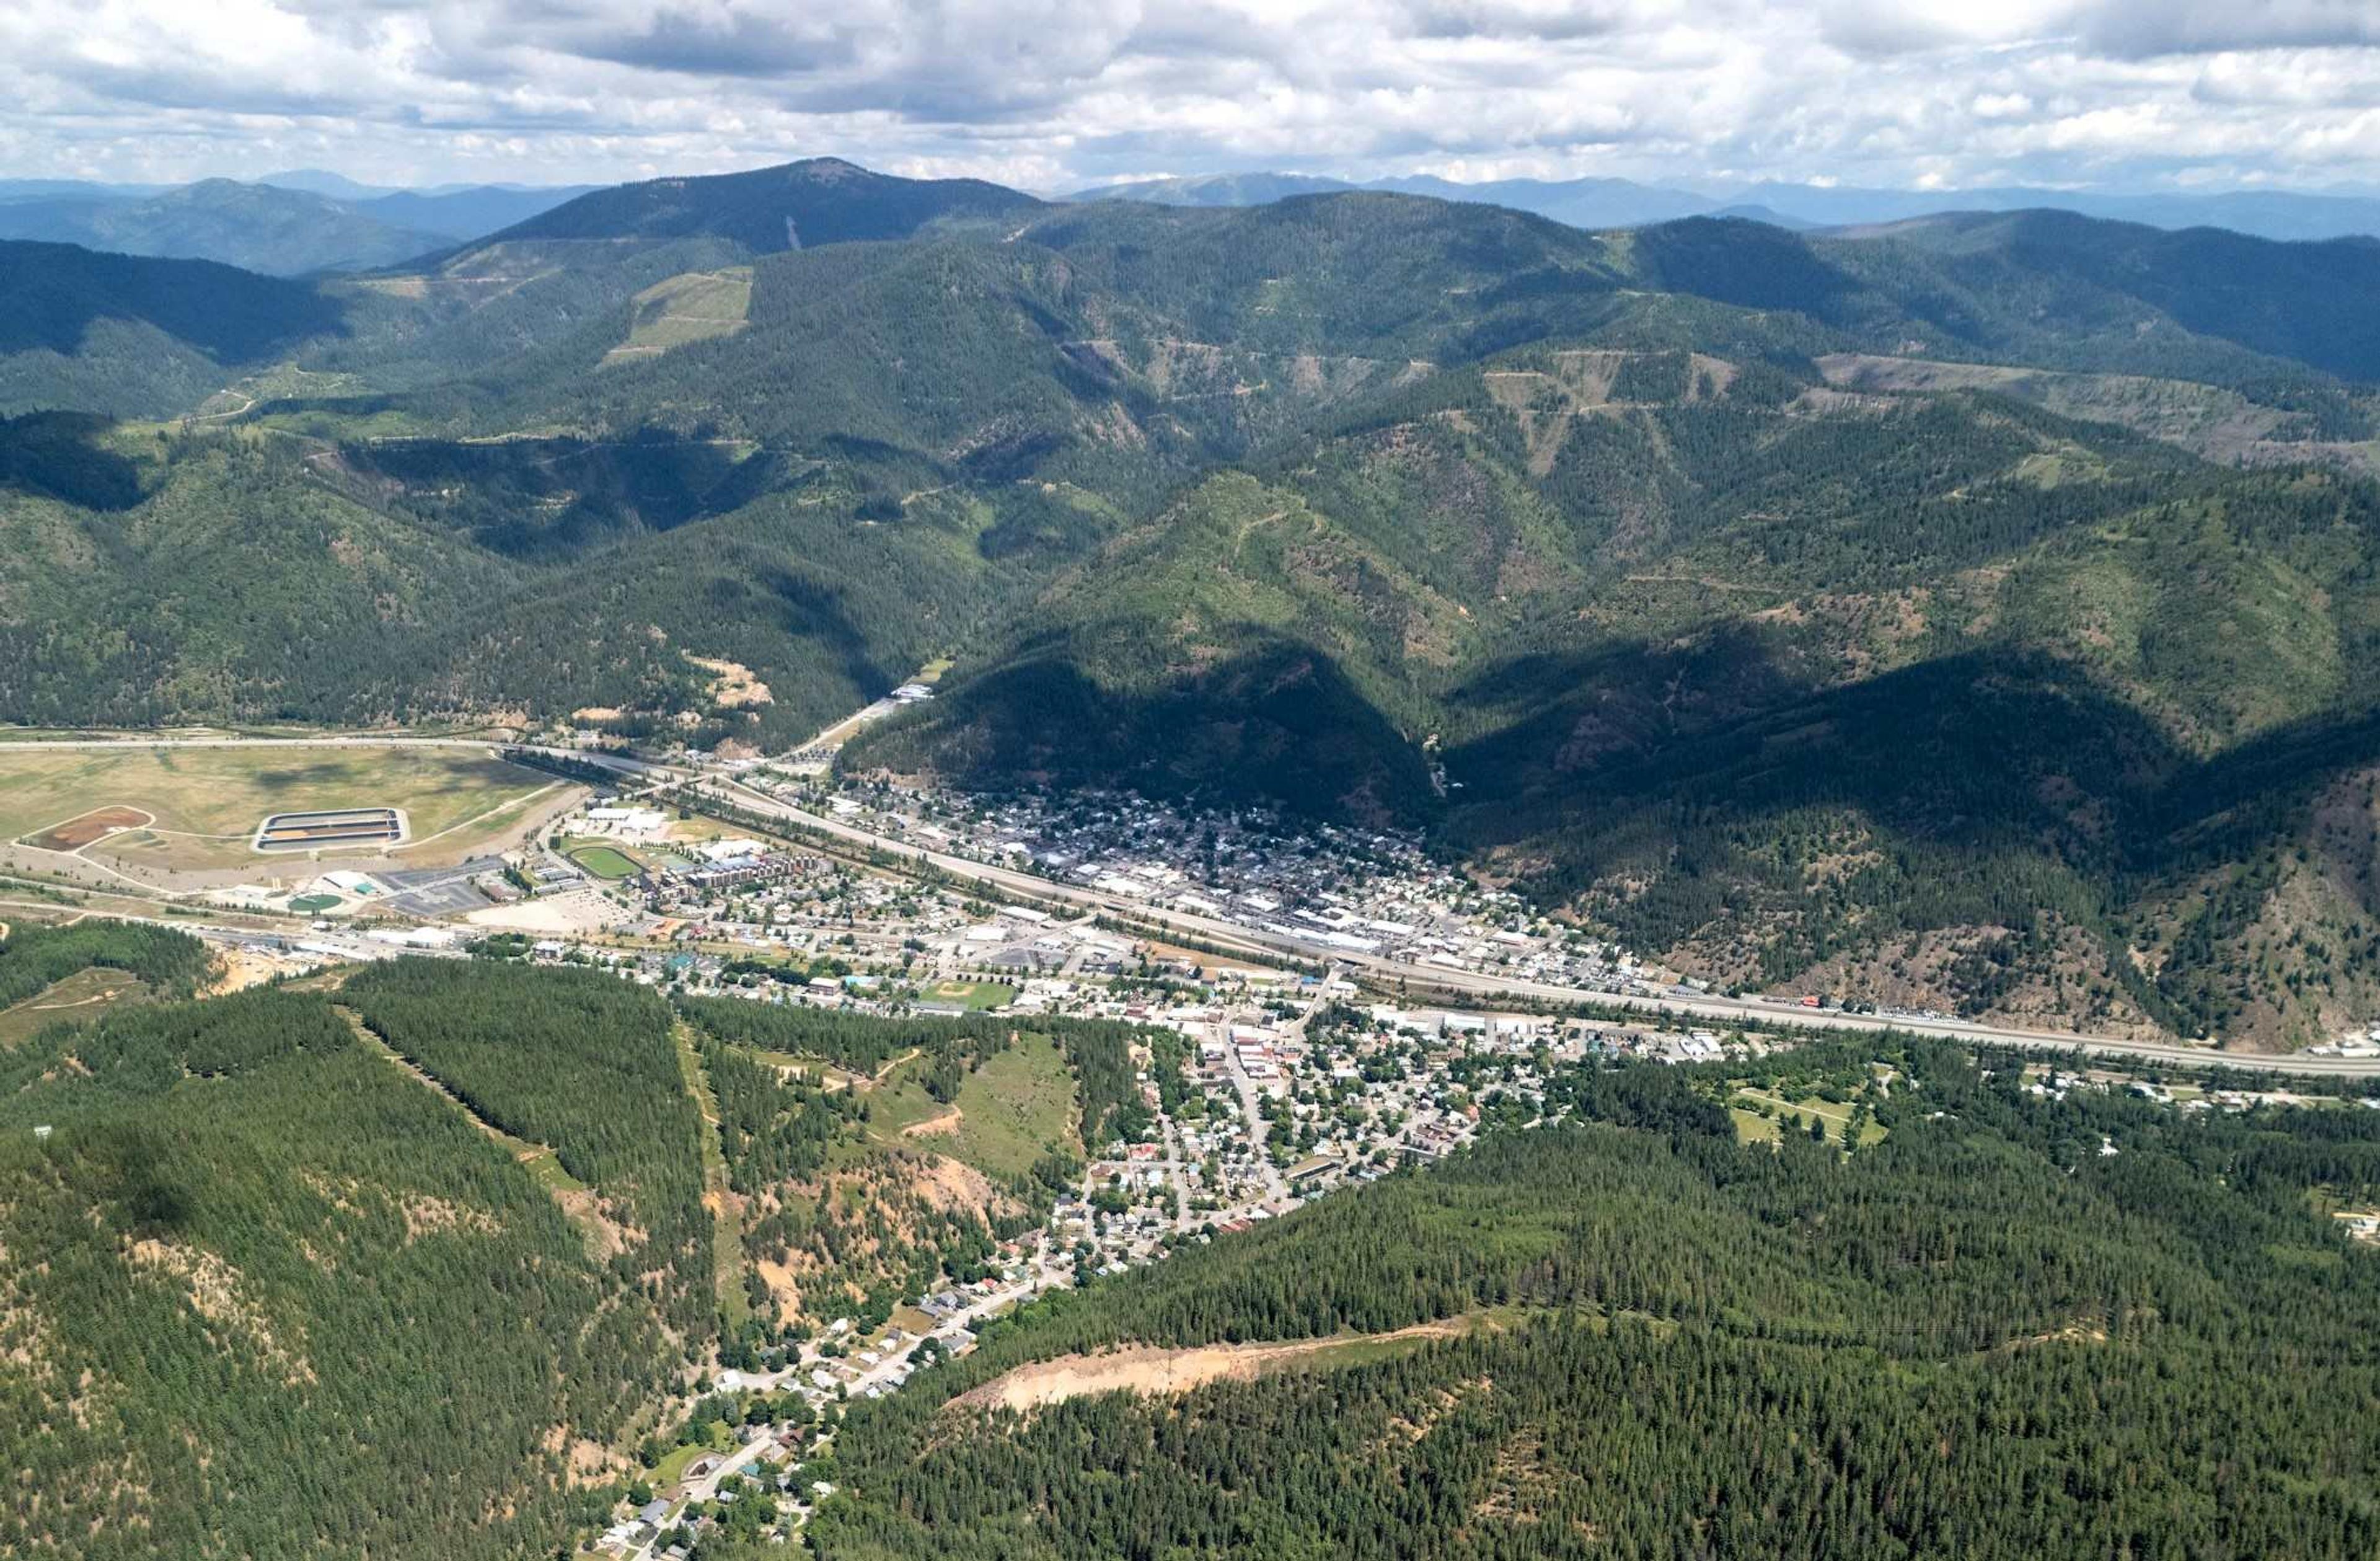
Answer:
(278, 229)
(1597, 203)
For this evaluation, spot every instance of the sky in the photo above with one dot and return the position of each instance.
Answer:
(1051, 95)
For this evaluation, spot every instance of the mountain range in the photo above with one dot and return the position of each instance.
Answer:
(1599, 202)
(1976, 610)
(284, 225)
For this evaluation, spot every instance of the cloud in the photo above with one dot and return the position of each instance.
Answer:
(1052, 93)
(2145, 28)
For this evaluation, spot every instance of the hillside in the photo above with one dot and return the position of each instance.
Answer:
(133, 337)
(257, 1266)
(1760, 675)
(1636, 1336)
(1604, 203)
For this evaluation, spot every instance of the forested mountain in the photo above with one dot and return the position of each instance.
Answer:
(137, 337)
(467, 212)
(1973, 611)
(270, 1292)
(281, 232)
(820, 200)
(411, 1266)
(1215, 189)
(2015, 1328)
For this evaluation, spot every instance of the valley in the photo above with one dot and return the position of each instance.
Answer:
(1726, 589)
(812, 861)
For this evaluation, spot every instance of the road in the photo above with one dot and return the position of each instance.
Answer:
(1255, 940)
(664, 773)
(1260, 1132)
(1483, 985)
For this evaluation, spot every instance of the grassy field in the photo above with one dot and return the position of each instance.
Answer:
(1013, 1108)
(672, 1468)
(1008, 1112)
(607, 862)
(80, 997)
(1753, 1128)
(206, 802)
(692, 307)
(978, 994)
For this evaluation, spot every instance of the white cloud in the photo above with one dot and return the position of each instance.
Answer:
(1052, 93)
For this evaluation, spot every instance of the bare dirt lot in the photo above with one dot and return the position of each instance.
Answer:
(83, 828)
(1146, 1370)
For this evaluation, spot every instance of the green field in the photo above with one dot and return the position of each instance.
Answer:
(309, 904)
(976, 994)
(1010, 1112)
(206, 802)
(693, 306)
(607, 862)
(672, 1468)
(1014, 1109)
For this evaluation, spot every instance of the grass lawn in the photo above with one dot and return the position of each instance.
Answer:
(607, 862)
(1834, 1115)
(1753, 1128)
(672, 1468)
(1011, 1110)
(80, 997)
(895, 1109)
(207, 802)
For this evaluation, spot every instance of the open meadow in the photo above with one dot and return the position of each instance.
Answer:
(188, 809)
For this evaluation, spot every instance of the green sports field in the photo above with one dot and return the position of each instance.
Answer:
(607, 862)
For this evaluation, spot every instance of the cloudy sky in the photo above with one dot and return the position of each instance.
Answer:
(1050, 94)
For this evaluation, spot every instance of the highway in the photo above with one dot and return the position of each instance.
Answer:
(1253, 940)
(1482, 985)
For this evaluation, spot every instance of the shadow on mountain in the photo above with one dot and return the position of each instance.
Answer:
(56, 292)
(544, 499)
(1978, 753)
(1975, 789)
(58, 456)
(1750, 264)
(1277, 722)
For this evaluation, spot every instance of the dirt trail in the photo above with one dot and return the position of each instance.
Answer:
(1146, 1368)
(945, 1121)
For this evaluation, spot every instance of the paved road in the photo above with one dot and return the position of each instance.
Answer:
(1482, 985)
(1231, 934)
(662, 773)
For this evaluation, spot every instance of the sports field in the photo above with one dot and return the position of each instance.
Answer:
(187, 808)
(969, 994)
(608, 863)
